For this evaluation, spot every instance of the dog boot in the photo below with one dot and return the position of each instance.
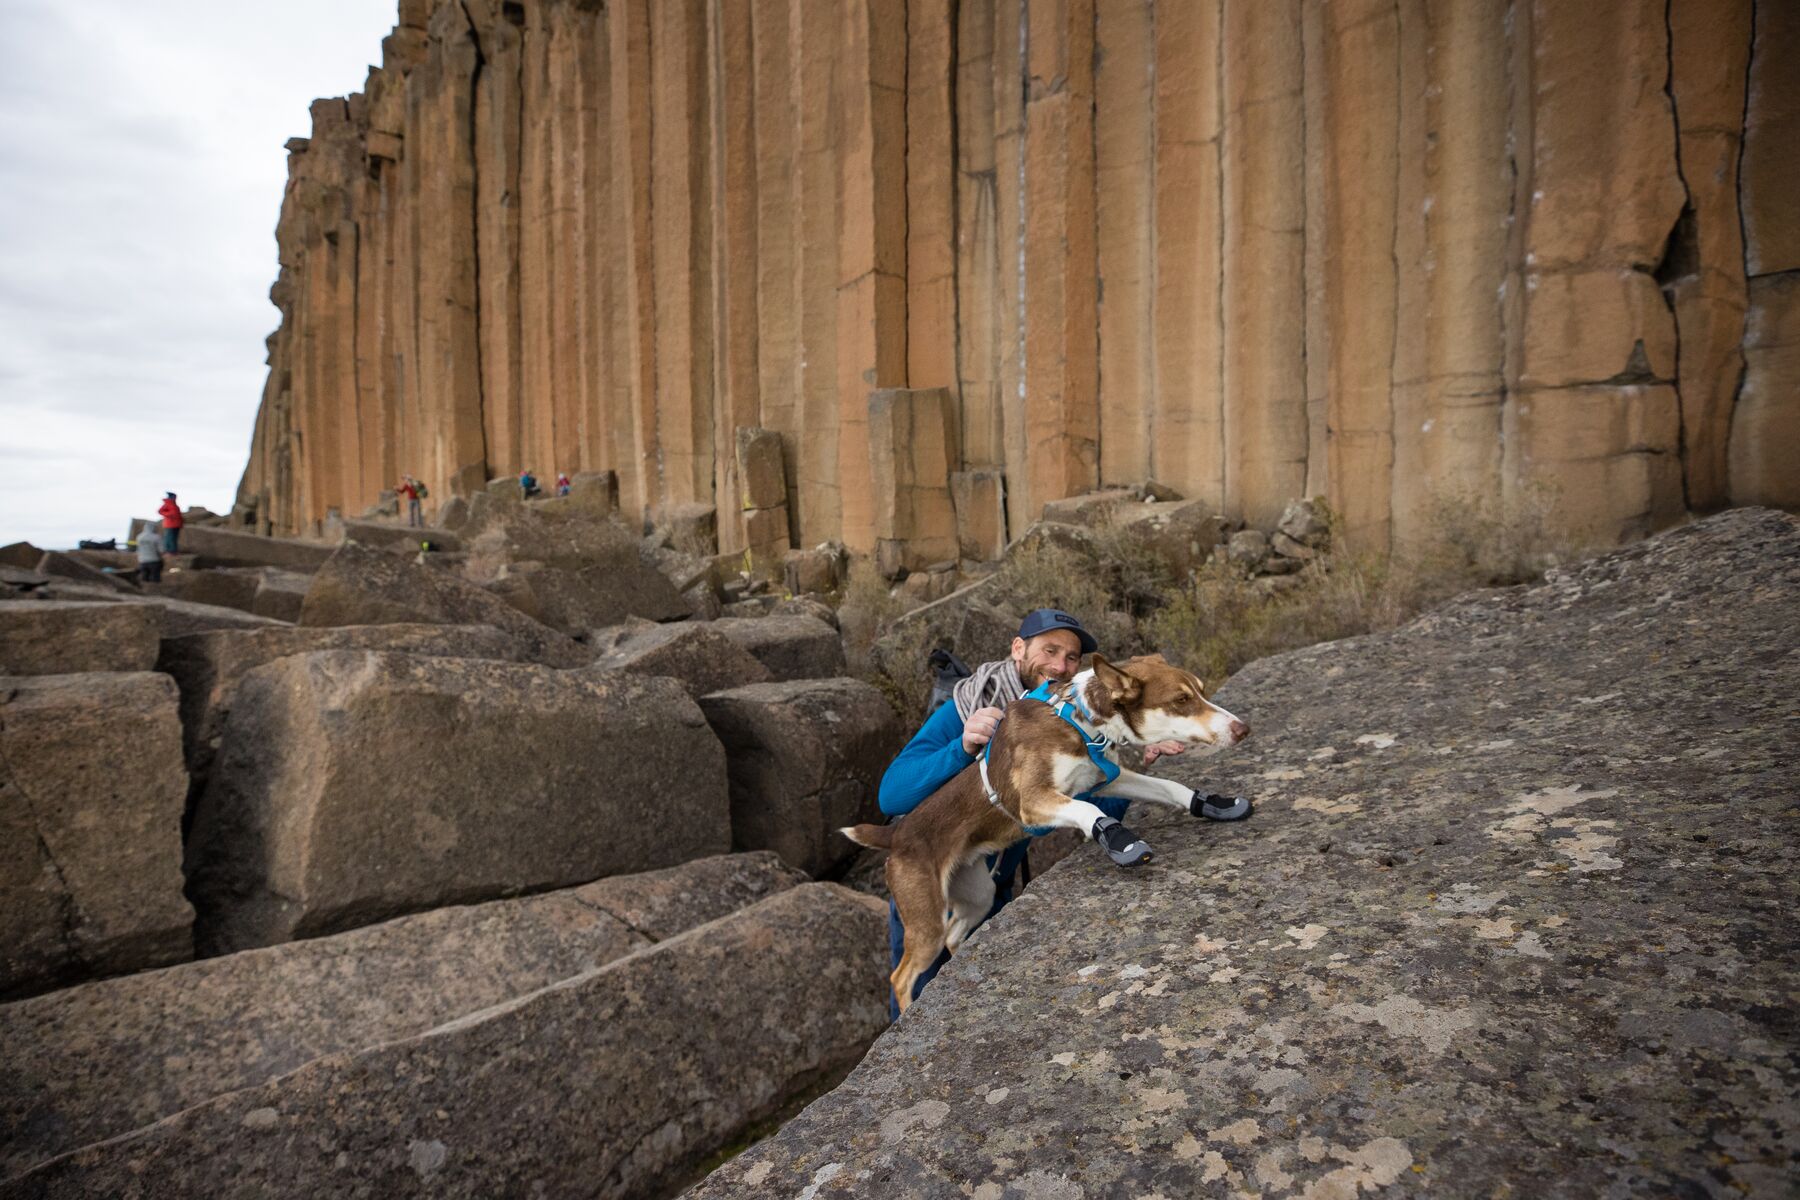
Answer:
(1121, 845)
(1219, 808)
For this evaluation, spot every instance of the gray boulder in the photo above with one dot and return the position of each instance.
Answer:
(805, 759)
(790, 645)
(67, 566)
(614, 1083)
(353, 786)
(100, 1060)
(208, 666)
(569, 569)
(695, 653)
(66, 637)
(22, 555)
(91, 796)
(1514, 916)
(361, 586)
(232, 548)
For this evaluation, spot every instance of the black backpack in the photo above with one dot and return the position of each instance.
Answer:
(946, 671)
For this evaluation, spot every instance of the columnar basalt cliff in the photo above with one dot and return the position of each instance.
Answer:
(1523, 255)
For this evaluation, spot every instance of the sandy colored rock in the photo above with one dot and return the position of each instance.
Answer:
(360, 586)
(805, 758)
(979, 498)
(790, 645)
(91, 799)
(1767, 419)
(208, 666)
(652, 1041)
(1329, 250)
(1476, 905)
(354, 786)
(912, 450)
(100, 1060)
(698, 656)
(65, 637)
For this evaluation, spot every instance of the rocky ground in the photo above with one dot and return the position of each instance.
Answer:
(508, 866)
(481, 869)
(1514, 917)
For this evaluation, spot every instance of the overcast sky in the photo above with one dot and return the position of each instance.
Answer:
(141, 171)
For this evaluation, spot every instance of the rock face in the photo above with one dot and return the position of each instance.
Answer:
(352, 786)
(701, 657)
(359, 586)
(569, 570)
(96, 1061)
(65, 637)
(91, 796)
(1278, 250)
(612, 1083)
(790, 645)
(805, 759)
(207, 667)
(1515, 906)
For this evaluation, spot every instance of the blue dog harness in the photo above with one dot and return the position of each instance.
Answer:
(1097, 745)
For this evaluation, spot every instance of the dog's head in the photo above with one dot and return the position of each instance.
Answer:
(1160, 702)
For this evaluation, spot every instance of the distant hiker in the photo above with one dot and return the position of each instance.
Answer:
(413, 491)
(562, 483)
(528, 486)
(149, 555)
(170, 512)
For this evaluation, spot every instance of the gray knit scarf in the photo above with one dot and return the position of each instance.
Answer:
(995, 684)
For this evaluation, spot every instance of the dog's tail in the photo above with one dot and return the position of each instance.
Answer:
(875, 837)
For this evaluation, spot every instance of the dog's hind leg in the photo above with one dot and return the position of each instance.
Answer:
(920, 899)
(1051, 807)
(971, 892)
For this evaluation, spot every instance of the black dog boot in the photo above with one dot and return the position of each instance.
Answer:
(1121, 845)
(1220, 808)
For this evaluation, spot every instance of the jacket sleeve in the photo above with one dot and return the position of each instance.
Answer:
(933, 757)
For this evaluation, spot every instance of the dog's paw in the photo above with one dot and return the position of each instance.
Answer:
(1121, 845)
(1220, 808)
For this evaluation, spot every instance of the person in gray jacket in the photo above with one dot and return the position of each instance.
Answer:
(149, 552)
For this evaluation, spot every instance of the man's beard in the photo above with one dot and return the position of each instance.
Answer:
(1031, 676)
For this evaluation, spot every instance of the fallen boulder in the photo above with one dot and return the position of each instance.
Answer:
(569, 570)
(226, 587)
(280, 594)
(701, 657)
(66, 637)
(96, 1061)
(790, 645)
(1514, 916)
(361, 586)
(22, 555)
(91, 796)
(231, 548)
(353, 786)
(396, 537)
(208, 666)
(67, 566)
(614, 1083)
(805, 758)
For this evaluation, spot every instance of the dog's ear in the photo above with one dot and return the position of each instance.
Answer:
(1119, 685)
(1154, 656)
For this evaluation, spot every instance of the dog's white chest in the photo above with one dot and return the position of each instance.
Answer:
(1074, 775)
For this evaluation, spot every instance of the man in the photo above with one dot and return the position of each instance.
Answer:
(408, 490)
(1049, 646)
(170, 512)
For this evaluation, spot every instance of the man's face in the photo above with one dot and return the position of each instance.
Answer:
(1054, 655)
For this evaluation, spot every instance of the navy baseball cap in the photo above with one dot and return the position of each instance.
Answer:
(1043, 620)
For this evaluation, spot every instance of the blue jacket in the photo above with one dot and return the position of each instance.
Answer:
(933, 758)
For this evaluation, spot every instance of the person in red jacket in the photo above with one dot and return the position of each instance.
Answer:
(170, 512)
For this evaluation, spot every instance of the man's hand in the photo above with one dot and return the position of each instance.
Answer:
(1156, 750)
(979, 729)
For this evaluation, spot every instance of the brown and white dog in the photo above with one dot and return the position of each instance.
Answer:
(1037, 764)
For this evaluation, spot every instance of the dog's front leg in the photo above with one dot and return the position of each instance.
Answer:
(1065, 812)
(1136, 786)
(1133, 785)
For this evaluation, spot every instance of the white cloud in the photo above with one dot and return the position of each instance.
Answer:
(141, 173)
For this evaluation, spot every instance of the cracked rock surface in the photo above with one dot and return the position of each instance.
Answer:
(1515, 916)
